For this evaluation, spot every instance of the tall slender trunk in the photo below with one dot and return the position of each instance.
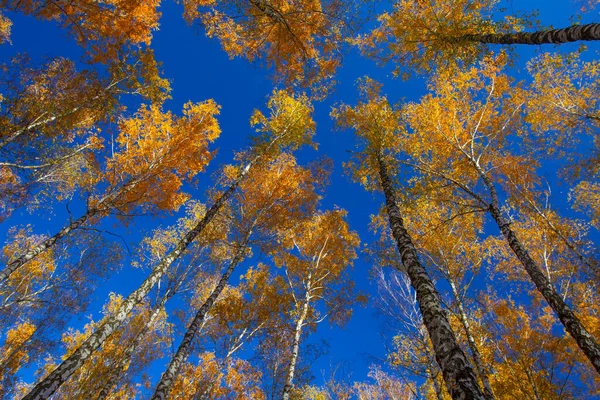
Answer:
(567, 317)
(15, 134)
(41, 122)
(436, 387)
(45, 245)
(47, 386)
(33, 252)
(573, 33)
(487, 387)
(119, 369)
(532, 383)
(289, 381)
(168, 377)
(454, 364)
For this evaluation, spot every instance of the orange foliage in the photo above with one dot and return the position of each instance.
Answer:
(300, 40)
(319, 251)
(147, 330)
(278, 194)
(103, 26)
(210, 379)
(26, 283)
(5, 25)
(563, 109)
(14, 354)
(586, 196)
(421, 35)
(157, 153)
(55, 98)
(530, 361)
(563, 96)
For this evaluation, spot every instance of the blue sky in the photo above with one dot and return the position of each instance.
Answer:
(199, 70)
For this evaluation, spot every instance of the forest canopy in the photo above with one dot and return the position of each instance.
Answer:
(299, 199)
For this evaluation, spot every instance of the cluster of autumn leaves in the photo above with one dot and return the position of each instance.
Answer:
(495, 293)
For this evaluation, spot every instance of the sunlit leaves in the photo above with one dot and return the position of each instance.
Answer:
(103, 27)
(564, 94)
(300, 40)
(530, 361)
(48, 120)
(586, 197)
(54, 98)
(420, 35)
(210, 379)
(5, 25)
(378, 126)
(26, 283)
(465, 128)
(278, 194)
(288, 123)
(14, 354)
(563, 110)
(158, 152)
(126, 354)
(66, 135)
(319, 252)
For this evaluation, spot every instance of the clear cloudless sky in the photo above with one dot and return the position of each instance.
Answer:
(199, 70)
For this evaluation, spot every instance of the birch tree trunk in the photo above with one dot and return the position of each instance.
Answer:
(168, 377)
(105, 203)
(14, 135)
(289, 381)
(454, 364)
(40, 121)
(47, 386)
(567, 317)
(45, 245)
(573, 33)
(119, 369)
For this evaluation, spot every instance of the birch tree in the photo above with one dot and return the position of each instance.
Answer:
(271, 199)
(378, 128)
(288, 126)
(323, 248)
(418, 35)
(473, 117)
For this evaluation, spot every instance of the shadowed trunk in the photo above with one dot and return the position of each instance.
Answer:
(585, 341)
(168, 377)
(454, 364)
(573, 33)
